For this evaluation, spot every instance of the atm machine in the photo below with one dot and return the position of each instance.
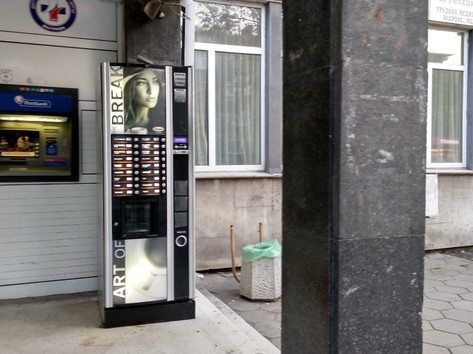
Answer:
(39, 134)
(147, 194)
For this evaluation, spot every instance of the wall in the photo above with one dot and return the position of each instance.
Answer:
(49, 230)
(453, 226)
(243, 203)
(49, 233)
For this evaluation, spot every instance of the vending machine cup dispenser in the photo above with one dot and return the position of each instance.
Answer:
(147, 194)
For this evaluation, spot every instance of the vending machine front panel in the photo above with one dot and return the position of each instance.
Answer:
(147, 189)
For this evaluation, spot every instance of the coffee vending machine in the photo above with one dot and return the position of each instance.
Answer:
(147, 194)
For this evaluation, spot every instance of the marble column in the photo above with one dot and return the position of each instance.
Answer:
(355, 91)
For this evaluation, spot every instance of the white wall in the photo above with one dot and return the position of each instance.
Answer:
(453, 226)
(48, 233)
(243, 203)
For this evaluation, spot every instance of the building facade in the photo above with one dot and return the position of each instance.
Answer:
(449, 126)
(49, 231)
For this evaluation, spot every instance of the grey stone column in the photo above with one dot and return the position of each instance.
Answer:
(354, 177)
(158, 40)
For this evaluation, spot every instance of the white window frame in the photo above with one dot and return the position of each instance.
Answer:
(212, 49)
(463, 68)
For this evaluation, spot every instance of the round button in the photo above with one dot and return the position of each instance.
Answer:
(136, 139)
(181, 241)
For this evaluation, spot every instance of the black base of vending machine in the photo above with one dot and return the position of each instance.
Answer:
(148, 313)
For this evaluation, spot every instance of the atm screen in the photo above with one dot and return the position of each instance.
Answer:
(19, 143)
(39, 134)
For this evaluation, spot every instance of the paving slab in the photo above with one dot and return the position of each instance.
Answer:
(464, 349)
(462, 305)
(434, 349)
(452, 326)
(443, 339)
(468, 338)
(437, 304)
(460, 315)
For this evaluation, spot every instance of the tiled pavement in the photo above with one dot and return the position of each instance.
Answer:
(448, 305)
(265, 317)
(447, 312)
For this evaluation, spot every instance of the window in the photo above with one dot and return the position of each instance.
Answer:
(446, 138)
(228, 62)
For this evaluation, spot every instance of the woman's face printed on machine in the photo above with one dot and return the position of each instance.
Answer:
(146, 89)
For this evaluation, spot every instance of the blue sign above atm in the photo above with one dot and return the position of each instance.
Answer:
(34, 102)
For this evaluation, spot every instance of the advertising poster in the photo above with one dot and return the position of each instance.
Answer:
(137, 100)
(139, 270)
(137, 121)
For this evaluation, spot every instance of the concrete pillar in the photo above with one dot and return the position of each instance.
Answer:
(157, 40)
(354, 184)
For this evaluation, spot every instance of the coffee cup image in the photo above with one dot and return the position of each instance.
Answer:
(138, 130)
(146, 269)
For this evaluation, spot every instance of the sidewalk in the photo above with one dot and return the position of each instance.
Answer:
(71, 324)
(447, 312)
(225, 322)
(448, 305)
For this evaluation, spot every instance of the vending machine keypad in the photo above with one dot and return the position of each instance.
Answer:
(138, 165)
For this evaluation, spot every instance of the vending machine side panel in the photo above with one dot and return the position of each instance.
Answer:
(105, 183)
(183, 183)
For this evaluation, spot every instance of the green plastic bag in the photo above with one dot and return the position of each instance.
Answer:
(268, 249)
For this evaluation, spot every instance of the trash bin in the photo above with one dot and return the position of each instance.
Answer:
(260, 277)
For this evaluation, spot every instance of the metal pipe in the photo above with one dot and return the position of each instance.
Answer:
(232, 243)
(260, 231)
